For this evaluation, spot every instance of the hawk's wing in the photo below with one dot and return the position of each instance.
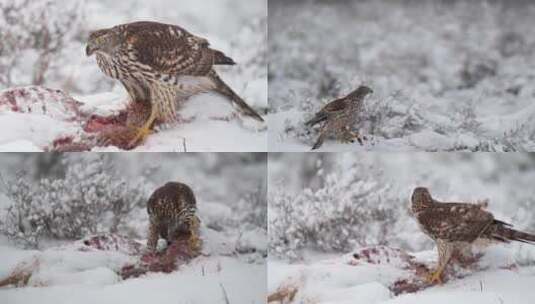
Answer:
(455, 221)
(332, 107)
(335, 106)
(170, 49)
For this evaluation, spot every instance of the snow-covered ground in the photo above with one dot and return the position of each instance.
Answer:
(233, 231)
(207, 123)
(446, 75)
(240, 31)
(341, 280)
(332, 205)
(67, 275)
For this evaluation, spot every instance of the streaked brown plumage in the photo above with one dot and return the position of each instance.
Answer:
(171, 210)
(339, 116)
(160, 64)
(456, 226)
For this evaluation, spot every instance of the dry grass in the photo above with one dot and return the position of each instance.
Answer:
(21, 274)
(284, 294)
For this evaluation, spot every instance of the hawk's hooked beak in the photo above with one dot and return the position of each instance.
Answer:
(90, 49)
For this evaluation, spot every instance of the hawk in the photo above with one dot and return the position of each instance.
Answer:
(171, 210)
(456, 226)
(159, 65)
(339, 116)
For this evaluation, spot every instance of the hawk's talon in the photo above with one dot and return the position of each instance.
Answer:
(140, 136)
(116, 136)
(434, 277)
(349, 136)
(347, 140)
(357, 136)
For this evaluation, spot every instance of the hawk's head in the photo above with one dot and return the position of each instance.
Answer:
(105, 41)
(421, 199)
(361, 92)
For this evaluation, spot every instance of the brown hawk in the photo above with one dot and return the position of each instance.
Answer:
(160, 64)
(171, 211)
(456, 226)
(339, 116)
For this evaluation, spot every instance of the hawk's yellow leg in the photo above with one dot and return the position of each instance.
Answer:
(349, 136)
(435, 276)
(194, 242)
(145, 130)
(162, 105)
(445, 250)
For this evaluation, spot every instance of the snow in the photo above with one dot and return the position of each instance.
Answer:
(198, 288)
(498, 286)
(240, 31)
(334, 280)
(311, 243)
(446, 76)
(207, 123)
(233, 256)
(91, 276)
(20, 145)
(204, 128)
(252, 240)
(31, 131)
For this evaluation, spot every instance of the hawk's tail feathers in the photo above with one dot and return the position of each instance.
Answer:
(316, 119)
(500, 231)
(224, 89)
(319, 141)
(221, 58)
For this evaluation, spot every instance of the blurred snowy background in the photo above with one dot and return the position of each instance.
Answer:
(49, 200)
(446, 75)
(335, 202)
(332, 205)
(43, 44)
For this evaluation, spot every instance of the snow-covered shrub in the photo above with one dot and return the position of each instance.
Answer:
(22, 221)
(252, 41)
(251, 223)
(524, 216)
(33, 34)
(475, 69)
(252, 209)
(517, 139)
(503, 180)
(511, 43)
(351, 207)
(460, 69)
(48, 165)
(249, 48)
(467, 117)
(91, 198)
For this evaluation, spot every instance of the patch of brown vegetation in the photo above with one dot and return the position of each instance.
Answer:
(20, 276)
(284, 294)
